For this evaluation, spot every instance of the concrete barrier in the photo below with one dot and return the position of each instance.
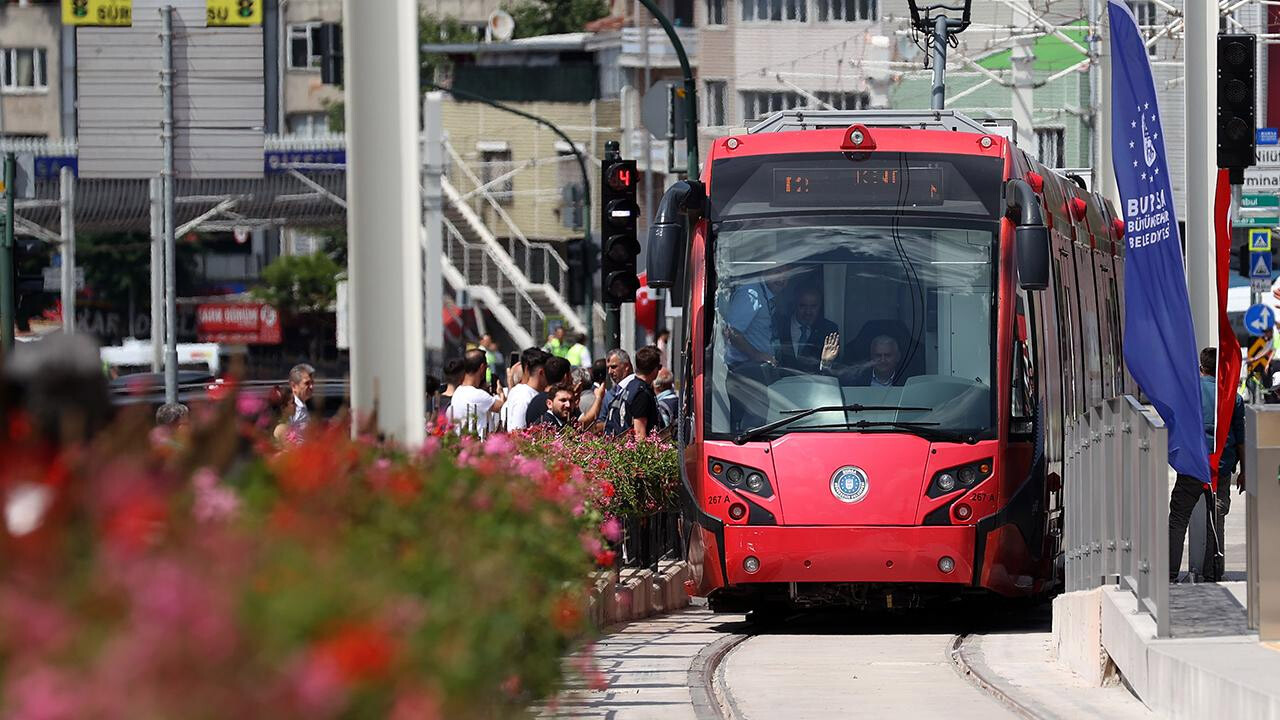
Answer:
(636, 594)
(1077, 635)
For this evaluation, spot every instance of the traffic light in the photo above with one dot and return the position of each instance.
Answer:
(1236, 112)
(620, 247)
(578, 259)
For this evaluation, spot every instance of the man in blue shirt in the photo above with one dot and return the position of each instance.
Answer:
(1188, 490)
(748, 322)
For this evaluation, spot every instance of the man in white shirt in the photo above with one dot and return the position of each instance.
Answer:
(533, 362)
(472, 407)
(302, 384)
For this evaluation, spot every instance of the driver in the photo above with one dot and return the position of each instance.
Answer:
(881, 369)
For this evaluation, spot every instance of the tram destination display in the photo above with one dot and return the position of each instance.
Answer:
(871, 186)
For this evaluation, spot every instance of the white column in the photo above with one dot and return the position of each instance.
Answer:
(1200, 42)
(383, 219)
(1024, 79)
(1104, 173)
(68, 205)
(433, 220)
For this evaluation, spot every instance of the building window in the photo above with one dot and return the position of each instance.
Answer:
(1051, 147)
(493, 165)
(715, 12)
(307, 124)
(23, 69)
(848, 10)
(845, 100)
(775, 10)
(1145, 12)
(715, 103)
(304, 46)
(758, 103)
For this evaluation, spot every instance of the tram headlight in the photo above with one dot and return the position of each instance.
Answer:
(946, 564)
(740, 477)
(734, 476)
(751, 564)
(959, 477)
(755, 482)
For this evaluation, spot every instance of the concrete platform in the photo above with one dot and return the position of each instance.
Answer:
(1210, 668)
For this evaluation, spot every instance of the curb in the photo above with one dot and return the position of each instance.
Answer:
(707, 704)
(972, 668)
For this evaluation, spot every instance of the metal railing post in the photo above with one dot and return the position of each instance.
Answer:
(1262, 436)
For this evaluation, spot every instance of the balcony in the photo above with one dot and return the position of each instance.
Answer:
(661, 53)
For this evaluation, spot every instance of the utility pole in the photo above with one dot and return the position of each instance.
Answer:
(384, 217)
(433, 222)
(156, 195)
(690, 88)
(1200, 43)
(68, 207)
(7, 301)
(612, 311)
(170, 213)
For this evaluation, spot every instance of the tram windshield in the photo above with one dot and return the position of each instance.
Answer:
(890, 318)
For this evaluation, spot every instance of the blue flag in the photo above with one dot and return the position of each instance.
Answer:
(1159, 338)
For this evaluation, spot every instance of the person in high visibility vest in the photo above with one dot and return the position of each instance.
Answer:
(578, 354)
(556, 344)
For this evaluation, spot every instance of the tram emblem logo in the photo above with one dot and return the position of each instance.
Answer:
(849, 484)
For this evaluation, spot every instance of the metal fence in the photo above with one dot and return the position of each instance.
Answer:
(1116, 484)
(648, 539)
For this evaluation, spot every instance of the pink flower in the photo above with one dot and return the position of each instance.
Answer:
(499, 444)
(43, 694)
(430, 447)
(249, 405)
(213, 501)
(611, 529)
(319, 688)
(591, 544)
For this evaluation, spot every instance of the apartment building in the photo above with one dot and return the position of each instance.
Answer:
(32, 101)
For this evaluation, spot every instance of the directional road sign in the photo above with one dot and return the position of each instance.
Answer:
(1260, 265)
(1259, 320)
(1260, 241)
(1259, 201)
(1267, 221)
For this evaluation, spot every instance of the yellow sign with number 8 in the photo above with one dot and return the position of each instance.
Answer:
(234, 13)
(102, 13)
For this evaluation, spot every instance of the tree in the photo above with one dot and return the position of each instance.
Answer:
(299, 284)
(549, 17)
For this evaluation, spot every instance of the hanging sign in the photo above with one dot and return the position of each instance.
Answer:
(233, 13)
(100, 13)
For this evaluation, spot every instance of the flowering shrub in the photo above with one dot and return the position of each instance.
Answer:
(630, 477)
(146, 575)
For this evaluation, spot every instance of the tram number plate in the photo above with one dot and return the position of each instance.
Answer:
(981, 497)
(719, 499)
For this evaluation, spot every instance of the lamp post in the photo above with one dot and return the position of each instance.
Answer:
(582, 167)
(690, 88)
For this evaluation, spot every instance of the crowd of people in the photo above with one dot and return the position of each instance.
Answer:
(613, 395)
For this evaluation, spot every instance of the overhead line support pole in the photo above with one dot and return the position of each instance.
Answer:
(7, 301)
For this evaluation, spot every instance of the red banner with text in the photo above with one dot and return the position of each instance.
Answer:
(243, 323)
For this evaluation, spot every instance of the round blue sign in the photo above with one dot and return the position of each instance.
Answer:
(1259, 319)
(849, 484)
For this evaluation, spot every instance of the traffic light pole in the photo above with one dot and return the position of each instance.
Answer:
(586, 188)
(6, 258)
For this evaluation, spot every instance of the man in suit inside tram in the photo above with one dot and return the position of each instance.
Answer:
(882, 368)
(801, 336)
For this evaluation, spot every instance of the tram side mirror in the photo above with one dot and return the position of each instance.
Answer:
(1032, 247)
(668, 235)
(1031, 237)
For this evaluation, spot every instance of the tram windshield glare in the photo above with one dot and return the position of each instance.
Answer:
(896, 312)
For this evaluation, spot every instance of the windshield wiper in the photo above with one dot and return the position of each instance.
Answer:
(925, 430)
(754, 432)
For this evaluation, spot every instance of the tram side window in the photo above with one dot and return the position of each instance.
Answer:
(1023, 389)
(1117, 338)
(1066, 347)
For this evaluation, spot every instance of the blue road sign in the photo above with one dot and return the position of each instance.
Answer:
(1260, 240)
(1260, 265)
(1268, 136)
(1258, 320)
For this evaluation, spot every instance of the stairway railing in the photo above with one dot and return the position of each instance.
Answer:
(525, 321)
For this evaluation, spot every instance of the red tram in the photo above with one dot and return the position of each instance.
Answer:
(890, 319)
